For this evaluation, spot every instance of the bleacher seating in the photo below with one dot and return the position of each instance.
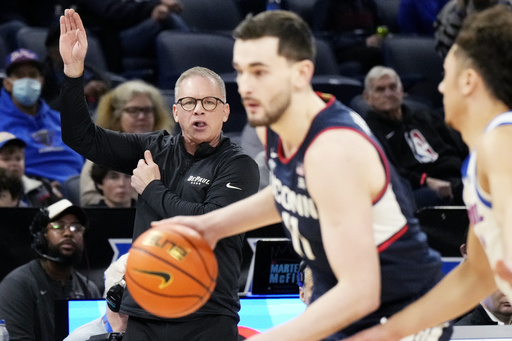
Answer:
(33, 38)
(417, 63)
(325, 63)
(414, 58)
(179, 51)
(219, 16)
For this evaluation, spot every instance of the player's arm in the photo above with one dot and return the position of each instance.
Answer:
(255, 211)
(458, 292)
(494, 169)
(343, 173)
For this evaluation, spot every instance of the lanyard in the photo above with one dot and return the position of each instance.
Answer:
(106, 324)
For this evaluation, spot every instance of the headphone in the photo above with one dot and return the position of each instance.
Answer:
(114, 295)
(39, 243)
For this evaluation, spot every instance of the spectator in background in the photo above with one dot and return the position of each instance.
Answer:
(115, 187)
(128, 28)
(418, 16)
(35, 192)
(132, 107)
(27, 116)
(28, 293)
(449, 21)
(11, 189)
(422, 147)
(96, 84)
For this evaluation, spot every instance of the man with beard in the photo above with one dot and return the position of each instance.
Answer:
(27, 294)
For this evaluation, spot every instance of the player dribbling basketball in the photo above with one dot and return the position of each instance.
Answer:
(343, 206)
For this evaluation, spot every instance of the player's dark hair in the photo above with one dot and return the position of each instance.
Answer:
(486, 41)
(296, 41)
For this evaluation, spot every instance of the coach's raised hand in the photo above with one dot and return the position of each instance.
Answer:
(73, 43)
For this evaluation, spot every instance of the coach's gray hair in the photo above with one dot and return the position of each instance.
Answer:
(201, 72)
(377, 72)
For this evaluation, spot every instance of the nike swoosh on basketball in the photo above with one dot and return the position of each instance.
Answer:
(166, 277)
(229, 185)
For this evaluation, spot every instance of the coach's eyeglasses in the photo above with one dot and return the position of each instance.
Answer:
(208, 103)
(60, 227)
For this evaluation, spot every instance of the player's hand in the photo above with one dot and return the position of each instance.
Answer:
(194, 222)
(73, 43)
(146, 171)
(443, 188)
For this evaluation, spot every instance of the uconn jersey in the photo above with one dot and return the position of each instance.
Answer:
(408, 267)
(479, 208)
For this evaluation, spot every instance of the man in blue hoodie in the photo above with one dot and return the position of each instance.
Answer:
(24, 114)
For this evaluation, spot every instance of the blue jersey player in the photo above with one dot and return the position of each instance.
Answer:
(477, 102)
(344, 208)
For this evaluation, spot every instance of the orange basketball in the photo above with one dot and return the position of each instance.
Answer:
(171, 271)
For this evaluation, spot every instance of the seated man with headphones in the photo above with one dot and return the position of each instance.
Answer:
(27, 294)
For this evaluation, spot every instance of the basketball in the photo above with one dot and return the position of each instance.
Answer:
(171, 271)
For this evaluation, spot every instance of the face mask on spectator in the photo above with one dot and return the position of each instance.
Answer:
(26, 90)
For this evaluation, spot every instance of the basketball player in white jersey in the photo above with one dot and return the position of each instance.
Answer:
(477, 89)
